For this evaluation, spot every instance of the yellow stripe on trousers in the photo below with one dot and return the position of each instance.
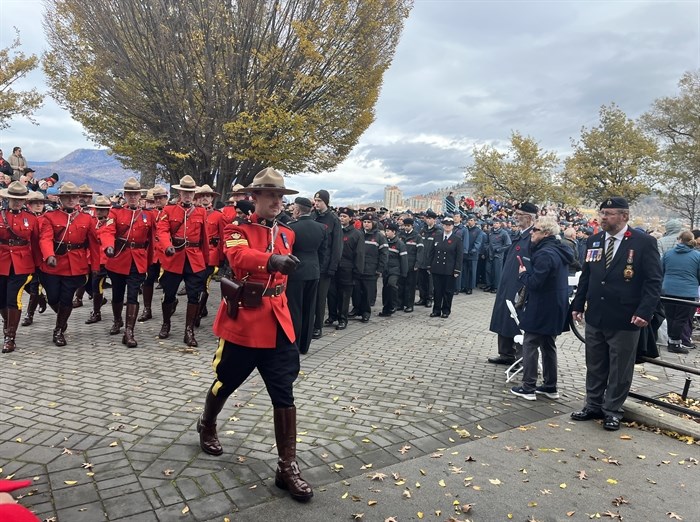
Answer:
(217, 359)
(21, 289)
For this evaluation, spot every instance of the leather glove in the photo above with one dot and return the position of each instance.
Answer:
(51, 261)
(170, 251)
(283, 264)
(109, 251)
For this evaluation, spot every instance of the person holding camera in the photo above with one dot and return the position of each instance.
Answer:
(255, 326)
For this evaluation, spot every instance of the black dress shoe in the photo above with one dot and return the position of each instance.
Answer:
(408, 309)
(434, 314)
(365, 318)
(353, 313)
(501, 360)
(493, 291)
(468, 291)
(487, 289)
(445, 316)
(329, 321)
(428, 304)
(420, 302)
(317, 334)
(384, 314)
(611, 423)
(342, 325)
(587, 414)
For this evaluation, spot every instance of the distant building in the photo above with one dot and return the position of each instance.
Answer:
(393, 197)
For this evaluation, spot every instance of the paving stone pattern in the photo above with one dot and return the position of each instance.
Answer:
(108, 433)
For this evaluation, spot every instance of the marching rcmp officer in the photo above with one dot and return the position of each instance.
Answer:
(445, 267)
(204, 197)
(66, 237)
(35, 205)
(84, 200)
(620, 284)
(429, 233)
(101, 208)
(128, 242)
(19, 241)
(160, 199)
(313, 251)
(256, 330)
(184, 247)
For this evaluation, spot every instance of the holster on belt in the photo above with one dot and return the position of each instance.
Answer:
(247, 294)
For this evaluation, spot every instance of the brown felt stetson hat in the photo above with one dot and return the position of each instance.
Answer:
(69, 189)
(36, 197)
(269, 179)
(187, 183)
(132, 185)
(85, 189)
(16, 190)
(238, 190)
(205, 190)
(159, 191)
(101, 202)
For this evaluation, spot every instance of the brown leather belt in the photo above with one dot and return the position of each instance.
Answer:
(274, 291)
(14, 242)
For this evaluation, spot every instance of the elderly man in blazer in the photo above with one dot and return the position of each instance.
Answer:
(619, 289)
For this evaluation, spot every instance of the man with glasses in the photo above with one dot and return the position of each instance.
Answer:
(619, 289)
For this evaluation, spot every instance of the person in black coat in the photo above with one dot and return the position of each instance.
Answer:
(545, 311)
(312, 248)
(429, 233)
(396, 267)
(619, 289)
(376, 253)
(445, 267)
(501, 321)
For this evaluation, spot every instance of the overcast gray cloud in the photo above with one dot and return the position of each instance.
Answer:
(466, 73)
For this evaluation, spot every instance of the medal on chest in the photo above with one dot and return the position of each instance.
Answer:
(628, 272)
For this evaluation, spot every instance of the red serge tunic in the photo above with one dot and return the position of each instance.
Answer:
(215, 231)
(130, 233)
(248, 246)
(74, 232)
(23, 258)
(186, 227)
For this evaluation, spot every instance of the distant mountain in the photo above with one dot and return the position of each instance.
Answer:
(96, 167)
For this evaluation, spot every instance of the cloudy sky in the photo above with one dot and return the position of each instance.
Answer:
(466, 73)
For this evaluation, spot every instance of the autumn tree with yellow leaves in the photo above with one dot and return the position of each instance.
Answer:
(14, 65)
(219, 90)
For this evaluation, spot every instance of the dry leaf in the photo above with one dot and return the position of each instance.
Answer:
(168, 472)
(185, 510)
(357, 516)
(570, 513)
(470, 459)
(113, 444)
(391, 519)
(466, 508)
(562, 485)
(625, 437)
(404, 449)
(672, 515)
(87, 465)
(611, 481)
(345, 495)
(618, 501)
(436, 455)
(371, 502)
(366, 466)
(70, 482)
(406, 493)
(377, 476)
(495, 482)
(66, 451)
(338, 466)
(612, 515)
(441, 483)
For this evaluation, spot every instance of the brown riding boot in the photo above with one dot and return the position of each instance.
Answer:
(206, 424)
(12, 322)
(31, 308)
(192, 314)
(62, 316)
(132, 312)
(118, 323)
(147, 300)
(96, 314)
(203, 312)
(168, 310)
(3, 313)
(78, 299)
(288, 475)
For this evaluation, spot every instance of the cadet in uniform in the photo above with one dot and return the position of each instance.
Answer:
(101, 208)
(160, 199)
(204, 197)
(67, 240)
(128, 244)
(396, 267)
(414, 247)
(261, 335)
(376, 254)
(184, 247)
(445, 267)
(19, 241)
(35, 205)
(429, 233)
(499, 241)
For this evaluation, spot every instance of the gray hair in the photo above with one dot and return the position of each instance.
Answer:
(548, 225)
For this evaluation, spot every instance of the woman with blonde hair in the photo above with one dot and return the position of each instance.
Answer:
(681, 266)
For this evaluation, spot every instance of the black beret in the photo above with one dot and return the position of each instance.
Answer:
(393, 226)
(408, 221)
(345, 210)
(304, 202)
(615, 202)
(529, 208)
(245, 206)
(430, 214)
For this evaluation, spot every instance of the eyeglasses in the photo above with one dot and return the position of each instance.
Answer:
(536, 229)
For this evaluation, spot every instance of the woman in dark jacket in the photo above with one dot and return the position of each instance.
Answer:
(681, 280)
(545, 312)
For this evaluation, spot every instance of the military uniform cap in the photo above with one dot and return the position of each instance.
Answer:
(132, 185)
(430, 214)
(408, 221)
(346, 210)
(16, 190)
(528, 208)
(447, 220)
(304, 202)
(367, 217)
(393, 226)
(187, 184)
(614, 202)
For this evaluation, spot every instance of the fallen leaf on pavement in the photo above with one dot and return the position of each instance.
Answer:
(672, 515)
(618, 501)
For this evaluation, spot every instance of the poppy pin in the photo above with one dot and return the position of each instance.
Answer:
(628, 233)
(517, 247)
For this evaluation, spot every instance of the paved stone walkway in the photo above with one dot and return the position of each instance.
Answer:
(108, 432)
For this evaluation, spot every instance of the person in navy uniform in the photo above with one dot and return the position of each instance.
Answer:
(501, 321)
(619, 289)
(499, 241)
(473, 238)
(429, 233)
(414, 247)
(376, 254)
(396, 267)
(312, 249)
(445, 267)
